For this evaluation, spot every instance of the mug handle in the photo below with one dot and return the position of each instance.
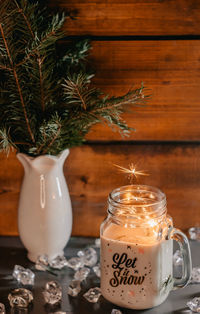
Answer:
(180, 237)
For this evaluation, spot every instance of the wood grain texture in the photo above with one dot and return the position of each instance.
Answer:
(131, 17)
(170, 69)
(91, 176)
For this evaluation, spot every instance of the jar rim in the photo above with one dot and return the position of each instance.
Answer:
(156, 203)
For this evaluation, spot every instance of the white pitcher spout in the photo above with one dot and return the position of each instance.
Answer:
(63, 155)
(25, 160)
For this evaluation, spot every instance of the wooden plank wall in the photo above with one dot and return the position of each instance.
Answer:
(157, 42)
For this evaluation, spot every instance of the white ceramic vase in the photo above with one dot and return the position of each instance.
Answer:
(44, 213)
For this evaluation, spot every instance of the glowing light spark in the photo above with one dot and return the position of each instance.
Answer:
(152, 223)
(131, 172)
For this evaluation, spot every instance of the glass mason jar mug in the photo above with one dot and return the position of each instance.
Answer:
(137, 249)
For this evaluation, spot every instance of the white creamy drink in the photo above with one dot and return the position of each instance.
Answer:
(134, 274)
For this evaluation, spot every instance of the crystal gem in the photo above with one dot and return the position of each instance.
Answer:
(177, 258)
(82, 273)
(97, 270)
(20, 297)
(17, 270)
(195, 277)
(93, 295)
(52, 293)
(89, 256)
(75, 263)
(74, 288)
(194, 233)
(97, 242)
(58, 262)
(194, 305)
(115, 311)
(23, 275)
(2, 309)
(42, 262)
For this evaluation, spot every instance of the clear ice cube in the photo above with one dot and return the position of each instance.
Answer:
(74, 288)
(177, 258)
(93, 295)
(23, 275)
(20, 297)
(115, 311)
(195, 276)
(194, 233)
(97, 270)
(58, 262)
(75, 263)
(89, 256)
(82, 273)
(194, 305)
(52, 293)
(42, 262)
(2, 309)
(17, 270)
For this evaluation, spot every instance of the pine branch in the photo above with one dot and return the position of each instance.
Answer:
(5, 142)
(39, 59)
(25, 18)
(18, 84)
(80, 97)
(73, 89)
(99, 108)
(3, 67)
(53, 139)
(56, 104)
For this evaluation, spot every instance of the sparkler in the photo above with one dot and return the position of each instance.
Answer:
(132, 172)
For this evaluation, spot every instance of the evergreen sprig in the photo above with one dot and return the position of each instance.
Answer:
(46, 101)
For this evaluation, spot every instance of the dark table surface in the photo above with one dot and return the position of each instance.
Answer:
(12, 253)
